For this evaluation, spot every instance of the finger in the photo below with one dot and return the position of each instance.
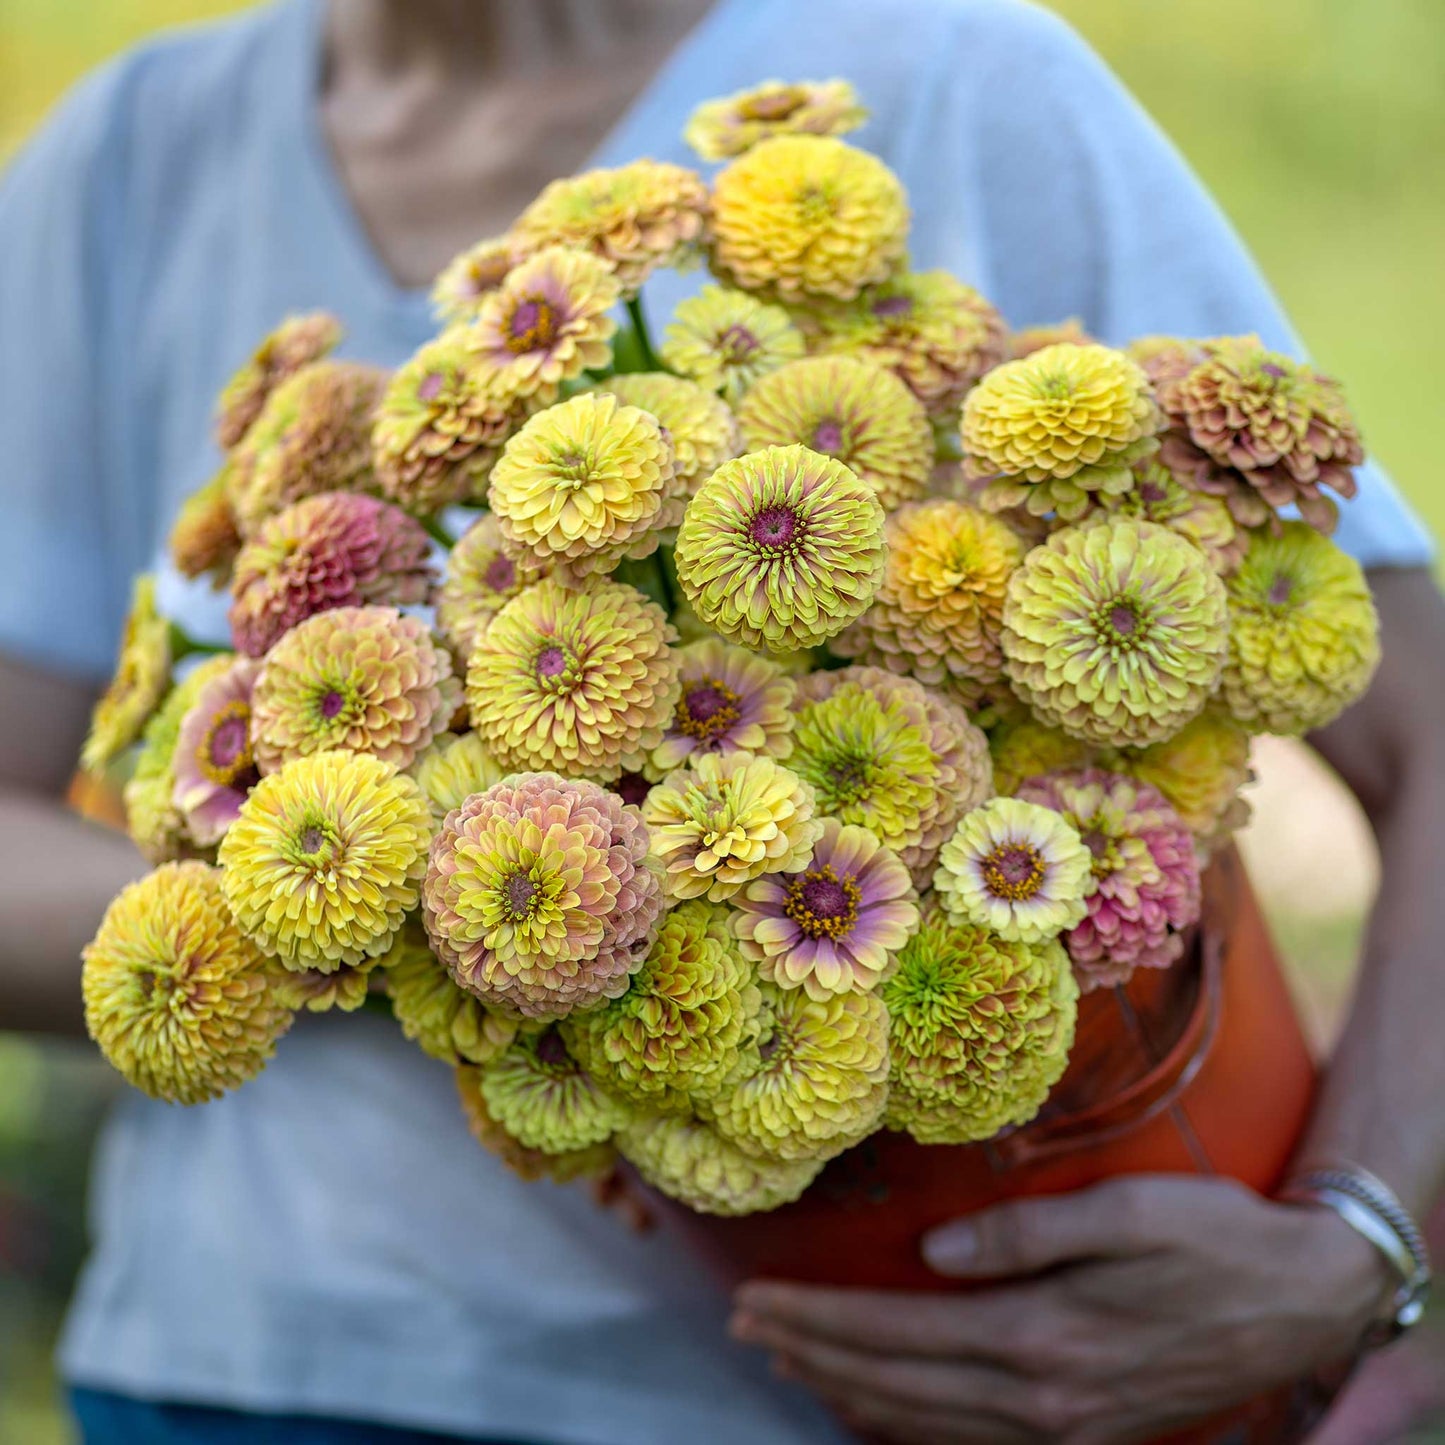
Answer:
(1027, 1236)
(919, 1384)
(879, 1419)
(991, 1325)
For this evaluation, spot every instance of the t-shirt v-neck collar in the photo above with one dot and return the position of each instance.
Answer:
(349, 243)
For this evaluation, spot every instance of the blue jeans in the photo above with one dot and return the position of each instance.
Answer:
(107, 1419)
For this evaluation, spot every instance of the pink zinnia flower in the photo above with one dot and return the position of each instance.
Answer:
(836, 926)
(1146, 875)
(338, 549)
(214, 764)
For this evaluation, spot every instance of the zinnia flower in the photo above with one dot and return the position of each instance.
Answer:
(981, 1030)
(538, 898)
(580, 681)
(1115, 633)
(326, 858)
(545, 1100)
(884, 753)
(732, 701)
(727, 819)
(699, 426)
(1304, 637)
(452, 769)
(177, 998)
(1199, 771)
(1159, 496)
(297, 342)
(333, 550)
(446, 1022)
(547, 323)
(584, 484)
(204, 538)
(849, 409)
(834, 926)
(313, 435)
(938, 612)
(481, 578)
(1023, 747)
(682, 1025)
(1146, 876)
(686, 1160)
(594, 1161)
(153, 821)
(471, 275)
(1263, 431)
(364, 678)
(818, 1081)
(214, 765)
(720, 129)
(1015, 868)
(1056, 426)
(441, 424)
(726, 340)
(1069, 332)
(319, 990)
(935, 334)
(637, 218)
(142, 675)
(801, 216)
(781, 548)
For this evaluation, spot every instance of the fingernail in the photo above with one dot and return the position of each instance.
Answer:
(955, 1246)
(753, 1297)
(742, 1327)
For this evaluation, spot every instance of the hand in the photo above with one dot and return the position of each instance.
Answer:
(1128, 1310)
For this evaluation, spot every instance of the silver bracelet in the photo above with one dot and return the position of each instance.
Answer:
(1370, 1207)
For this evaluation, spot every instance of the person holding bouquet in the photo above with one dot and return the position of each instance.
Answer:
(324, 1255)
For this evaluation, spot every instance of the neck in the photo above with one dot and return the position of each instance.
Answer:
(388, 37)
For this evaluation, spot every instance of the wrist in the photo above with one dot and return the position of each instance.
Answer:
(1356, 1284)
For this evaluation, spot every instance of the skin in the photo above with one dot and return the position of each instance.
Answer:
(1106, 1316)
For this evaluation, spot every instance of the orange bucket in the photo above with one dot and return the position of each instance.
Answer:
(1200, 1069)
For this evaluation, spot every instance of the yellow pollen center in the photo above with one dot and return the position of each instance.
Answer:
(821, 903)
(1014, 871)
(532, 325)
(224, 753)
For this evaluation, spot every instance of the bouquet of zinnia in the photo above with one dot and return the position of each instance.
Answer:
(717, 748)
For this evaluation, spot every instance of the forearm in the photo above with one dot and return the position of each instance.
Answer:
(57, 874)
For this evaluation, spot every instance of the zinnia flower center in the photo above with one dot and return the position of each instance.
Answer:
(849, 779)
(1280, 591)
(1121, 622)
(889, 307)
(317, 841)
(822, 904)
(532, 325)
(225, 751)
(736, 344)
(774, 527)
(555, 668)
(828, 436)
(332, 703)
(1014, 871)
(706, 709)
(1101, 849)
(501, 573)
(772, 107)
(431, 386)
(521, 894)
(551, 1051)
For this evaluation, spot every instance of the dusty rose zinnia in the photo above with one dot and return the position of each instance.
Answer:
(472, 274)
(481, 578)
(720, 129)
(538, 898)
(296, 342)
(214, 765)
(335, 550)
(732, 701)
(1146, 876)
(725, 340)
(834, 926)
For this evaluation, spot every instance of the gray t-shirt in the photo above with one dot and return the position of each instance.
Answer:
(330, 1239)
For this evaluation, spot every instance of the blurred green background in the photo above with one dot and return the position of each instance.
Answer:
(1319, 125)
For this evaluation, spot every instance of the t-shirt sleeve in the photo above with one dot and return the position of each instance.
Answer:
(59, 479)
(1092, 212)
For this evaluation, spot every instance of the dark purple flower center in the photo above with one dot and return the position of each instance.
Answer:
(774, 527)
(1123, 620)
(431, 386)
(822, 904)
(1271, 368)
(331, 704)
(737, 343)
(551, 1051)
(707, 709)
(551, 662)
(1151, 492)
(632, 788)
(501, 573)
(311, 839)
(531, 326)
(521, 892)
(1280, 591)
(828, 436)
(228, 741)
(225, 755)
(889, 307)
(1014, 871)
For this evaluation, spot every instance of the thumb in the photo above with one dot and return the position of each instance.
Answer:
(1026, 1236)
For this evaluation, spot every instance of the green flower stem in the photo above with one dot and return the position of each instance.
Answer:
(667, 577)
(184, 645)
(376, 1002)
(644, 339)
(434, 529)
